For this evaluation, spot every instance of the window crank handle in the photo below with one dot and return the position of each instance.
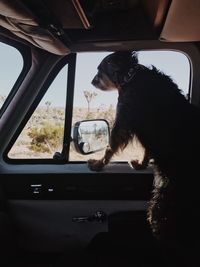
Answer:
(80, 219)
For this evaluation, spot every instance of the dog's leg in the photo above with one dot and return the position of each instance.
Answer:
(143, 165)
(119, 139)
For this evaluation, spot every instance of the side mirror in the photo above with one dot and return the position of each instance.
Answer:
(90, 136)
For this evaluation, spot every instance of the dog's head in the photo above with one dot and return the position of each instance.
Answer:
(113, 69)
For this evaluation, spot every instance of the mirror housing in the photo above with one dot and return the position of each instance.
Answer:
(90, 136)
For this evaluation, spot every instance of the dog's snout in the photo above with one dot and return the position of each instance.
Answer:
(95, 80)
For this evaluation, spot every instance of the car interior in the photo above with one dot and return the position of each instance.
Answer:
(54, 211)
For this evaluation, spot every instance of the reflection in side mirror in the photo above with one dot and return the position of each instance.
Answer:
(90, 136)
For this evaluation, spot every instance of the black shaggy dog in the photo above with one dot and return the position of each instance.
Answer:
(151, 106)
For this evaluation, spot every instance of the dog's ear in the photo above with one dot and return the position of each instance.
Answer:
(117, 64)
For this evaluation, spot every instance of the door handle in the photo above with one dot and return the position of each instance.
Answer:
(98, 216)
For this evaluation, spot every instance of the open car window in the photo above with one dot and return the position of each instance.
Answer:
(91, 103)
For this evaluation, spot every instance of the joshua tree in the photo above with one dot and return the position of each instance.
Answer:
(89, 95)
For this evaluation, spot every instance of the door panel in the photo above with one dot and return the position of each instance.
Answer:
(47, 226)
(42, 206)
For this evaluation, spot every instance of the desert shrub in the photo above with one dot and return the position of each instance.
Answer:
(46, 138)
(90, 116)
(107, 114)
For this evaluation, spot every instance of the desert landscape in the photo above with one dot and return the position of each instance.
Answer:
(43, 135)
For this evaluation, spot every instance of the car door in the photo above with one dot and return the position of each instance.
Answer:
(48, 194)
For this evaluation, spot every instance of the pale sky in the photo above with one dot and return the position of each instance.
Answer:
(172, 63)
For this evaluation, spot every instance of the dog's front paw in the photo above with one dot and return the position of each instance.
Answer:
(95, 165)
(136, 165)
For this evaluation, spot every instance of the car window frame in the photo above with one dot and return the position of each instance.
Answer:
(150, 49)
(68, 117)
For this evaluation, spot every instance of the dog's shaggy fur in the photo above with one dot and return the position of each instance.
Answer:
(151, 106)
